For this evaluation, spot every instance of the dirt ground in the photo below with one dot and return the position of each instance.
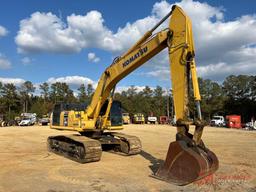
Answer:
(26, 165)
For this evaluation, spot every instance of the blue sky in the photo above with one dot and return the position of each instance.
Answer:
(221, 51)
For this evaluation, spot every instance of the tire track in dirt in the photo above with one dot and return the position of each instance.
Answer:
(54, 174)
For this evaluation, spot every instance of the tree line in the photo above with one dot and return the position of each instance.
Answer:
(236, 95)
(15, 100)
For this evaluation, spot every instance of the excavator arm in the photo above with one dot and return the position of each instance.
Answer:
(187, 159)
(124, 65)
(179, 40)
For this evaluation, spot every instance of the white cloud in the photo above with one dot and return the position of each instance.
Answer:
(73, 81)
(119, 89)
(216, 41)
(162, 74)
(45, 32)
(26, 60)
(93, 58)
(222, 47)
(15, 81)
(4, 62)
(3, 31)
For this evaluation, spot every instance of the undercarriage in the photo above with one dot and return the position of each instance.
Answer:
(87, 148)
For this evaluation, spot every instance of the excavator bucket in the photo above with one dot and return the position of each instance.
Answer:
(185, 164)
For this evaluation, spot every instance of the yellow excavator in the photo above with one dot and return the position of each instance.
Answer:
(188, 159)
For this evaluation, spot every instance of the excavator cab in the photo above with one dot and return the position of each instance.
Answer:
(115, 115)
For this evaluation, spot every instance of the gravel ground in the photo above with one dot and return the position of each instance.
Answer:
(26, 165)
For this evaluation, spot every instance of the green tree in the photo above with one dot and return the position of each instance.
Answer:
(238, 87)
(53, 93)
(1, 88)
(131, 91)
(39, 106)
(2, 106)
(26, 90)
(90, 90)
(60, 92)
(44, 91)
(70, 98)
(10, 97)
(240, 91)
(82, 96)
(144, 101)
(159, 101)
(253, 88)
(212, 98)
(131, 101)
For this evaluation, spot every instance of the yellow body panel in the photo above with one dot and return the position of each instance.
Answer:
(180, 45)
(78, 121)
(126, 118)
(138, 118)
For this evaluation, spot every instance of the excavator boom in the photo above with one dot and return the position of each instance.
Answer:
(187, 159)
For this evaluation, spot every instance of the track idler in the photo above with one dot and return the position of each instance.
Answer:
(187, 161)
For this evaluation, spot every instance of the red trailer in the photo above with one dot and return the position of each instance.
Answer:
(233, 121)
(163, 120)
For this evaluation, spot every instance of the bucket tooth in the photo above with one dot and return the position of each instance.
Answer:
(185, 163)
